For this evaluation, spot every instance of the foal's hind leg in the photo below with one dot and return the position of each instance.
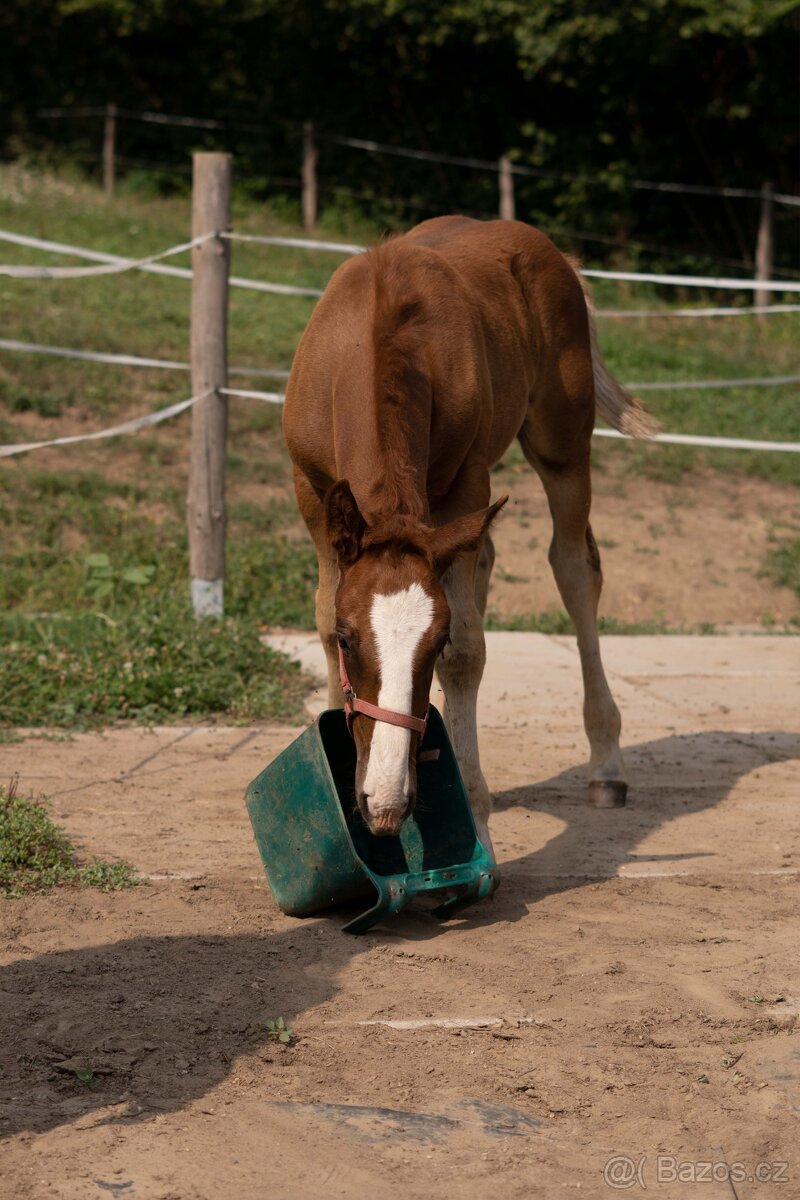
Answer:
(575, 560)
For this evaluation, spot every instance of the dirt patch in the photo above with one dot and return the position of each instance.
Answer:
(680, 554)
(683, 553)
(642, 963)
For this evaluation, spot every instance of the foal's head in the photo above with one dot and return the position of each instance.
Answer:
(392, 623)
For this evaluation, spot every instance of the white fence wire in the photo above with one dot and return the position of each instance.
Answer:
(152, 264)
(173, 410)
(112, 267)
(129, 264)
(456, 160)
(750, 310)
(131, 360)
(114, 264)
(132, 426)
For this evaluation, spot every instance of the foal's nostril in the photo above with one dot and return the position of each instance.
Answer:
(387, 825)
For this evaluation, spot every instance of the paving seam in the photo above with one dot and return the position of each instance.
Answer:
(187, 733)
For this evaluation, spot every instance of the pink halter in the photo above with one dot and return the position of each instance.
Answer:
(353, 706)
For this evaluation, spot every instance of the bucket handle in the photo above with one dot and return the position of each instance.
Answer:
(474, 883)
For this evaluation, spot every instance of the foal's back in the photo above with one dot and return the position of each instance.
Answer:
(467, 319)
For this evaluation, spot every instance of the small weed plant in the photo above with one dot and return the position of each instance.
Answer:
(278, 1031)
(87, 1077)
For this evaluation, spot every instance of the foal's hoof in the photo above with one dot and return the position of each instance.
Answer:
(606, 793)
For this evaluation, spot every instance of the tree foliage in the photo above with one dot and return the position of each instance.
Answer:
(691, 90)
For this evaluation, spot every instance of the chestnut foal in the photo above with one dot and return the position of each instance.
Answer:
(423, 360)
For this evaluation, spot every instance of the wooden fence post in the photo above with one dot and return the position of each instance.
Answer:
(309, 177)
(109, 148)
(764, 245)
(506, 182)
(205, 503)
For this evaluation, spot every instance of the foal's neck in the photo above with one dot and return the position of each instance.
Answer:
(393, 464)
(402, 394)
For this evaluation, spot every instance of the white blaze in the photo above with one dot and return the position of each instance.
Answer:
(398, 624)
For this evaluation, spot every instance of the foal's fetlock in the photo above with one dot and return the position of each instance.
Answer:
(608, 787)
(608, 793)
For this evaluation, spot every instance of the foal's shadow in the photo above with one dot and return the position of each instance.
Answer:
(670, 777)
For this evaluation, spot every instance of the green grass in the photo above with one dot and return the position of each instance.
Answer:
(558, 622)
(104, 632)
(783, 564)
(57, 522)
(152, 663)
(692, 349)
(36, 855)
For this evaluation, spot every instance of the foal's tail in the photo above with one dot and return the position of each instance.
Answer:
(622, 410)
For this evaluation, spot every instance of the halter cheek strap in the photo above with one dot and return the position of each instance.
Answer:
(353, 706)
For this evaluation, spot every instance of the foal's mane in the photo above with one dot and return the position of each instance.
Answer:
(401, 383)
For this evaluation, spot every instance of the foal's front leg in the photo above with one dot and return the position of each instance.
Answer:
(325, 609)
(313, 512)
(460, 670)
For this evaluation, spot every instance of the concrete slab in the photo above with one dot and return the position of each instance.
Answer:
(531, 676)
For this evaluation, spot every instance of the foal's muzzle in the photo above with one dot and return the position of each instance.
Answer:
(386, 824)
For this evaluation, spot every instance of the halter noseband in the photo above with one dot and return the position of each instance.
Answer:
(353, 706)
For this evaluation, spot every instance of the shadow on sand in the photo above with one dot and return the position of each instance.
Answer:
(161, 1019)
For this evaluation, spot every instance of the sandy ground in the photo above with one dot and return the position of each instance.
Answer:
(683, 554)
(640, 965)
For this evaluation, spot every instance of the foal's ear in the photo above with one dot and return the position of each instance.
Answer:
(346, 526)
(461, 535)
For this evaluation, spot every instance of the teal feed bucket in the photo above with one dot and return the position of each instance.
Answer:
(318, 853)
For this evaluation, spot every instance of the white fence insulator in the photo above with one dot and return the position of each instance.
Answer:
(269, 397)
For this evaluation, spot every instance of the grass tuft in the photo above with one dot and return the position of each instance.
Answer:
(36, 855)
(782, 564)
(152, 663)
(559, 622)
(98, 625)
